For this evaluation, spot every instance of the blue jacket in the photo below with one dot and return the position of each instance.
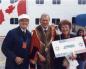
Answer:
(12, 47)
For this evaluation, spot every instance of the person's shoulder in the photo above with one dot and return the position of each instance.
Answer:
(72, 35)
(28, 32)
(39, 26)
(12, 30)
(57, 37)
(50, 27)
(10, 33)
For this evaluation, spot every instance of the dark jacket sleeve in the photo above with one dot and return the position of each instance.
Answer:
(7, 46)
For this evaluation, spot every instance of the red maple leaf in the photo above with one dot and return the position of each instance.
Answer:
(1, 16)
(10, 9)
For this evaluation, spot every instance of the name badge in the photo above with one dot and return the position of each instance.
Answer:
(24, 45)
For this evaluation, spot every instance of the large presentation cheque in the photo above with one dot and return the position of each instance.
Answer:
(66, 46)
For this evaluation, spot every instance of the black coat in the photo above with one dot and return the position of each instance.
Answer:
(12, 48)
(58, 62)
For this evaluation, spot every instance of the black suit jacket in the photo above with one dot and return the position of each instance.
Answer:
(12, 47)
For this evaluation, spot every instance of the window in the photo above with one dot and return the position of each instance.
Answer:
(81, 1)
(39, 1)
(0, 1)
(56, 21)
(13, 1)
(37, 21)
(14, 21)
(73, 24)
(73, 20)
(56, 1)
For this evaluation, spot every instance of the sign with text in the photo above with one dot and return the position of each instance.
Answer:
(66, 46)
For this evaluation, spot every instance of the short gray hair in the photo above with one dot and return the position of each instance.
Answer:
(45, 15)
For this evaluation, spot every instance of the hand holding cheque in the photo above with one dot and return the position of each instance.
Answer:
(69, 48)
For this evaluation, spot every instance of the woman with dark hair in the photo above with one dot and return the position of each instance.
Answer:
(81, 57)
(80, 32)
(65, 28)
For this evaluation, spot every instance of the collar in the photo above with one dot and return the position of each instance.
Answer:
(23, 30)
(45, 28)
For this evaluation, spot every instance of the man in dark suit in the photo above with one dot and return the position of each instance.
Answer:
(16, 45)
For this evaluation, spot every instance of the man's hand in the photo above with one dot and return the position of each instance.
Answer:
(42, 58)
(46, 49)
(42, 44)
(65, 63)
(19, 60)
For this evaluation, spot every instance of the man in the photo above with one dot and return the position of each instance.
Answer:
(16, 45)
(44, 35)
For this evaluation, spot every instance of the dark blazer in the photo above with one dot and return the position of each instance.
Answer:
(59, 61)
(12, 47)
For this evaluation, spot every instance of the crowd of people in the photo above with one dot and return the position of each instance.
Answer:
(25, 50)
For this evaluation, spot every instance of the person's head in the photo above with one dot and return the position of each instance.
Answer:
(44, 20)
(65, 27)
(80, 32)
(23, 21)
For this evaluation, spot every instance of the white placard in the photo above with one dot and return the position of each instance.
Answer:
(66, 46)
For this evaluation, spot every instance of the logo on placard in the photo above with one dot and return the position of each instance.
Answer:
(56, 48)
(80, 44)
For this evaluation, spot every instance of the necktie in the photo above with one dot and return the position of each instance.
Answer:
(45, 30)
(24, 44)
(24, 36)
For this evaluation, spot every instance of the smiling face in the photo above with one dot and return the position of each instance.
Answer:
(44, 20)
(24, 23)
(65, 29)
(81, 33)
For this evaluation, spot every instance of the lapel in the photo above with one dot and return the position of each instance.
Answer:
(40, 33)
(44, 37)
(20, 37)
(48, 33)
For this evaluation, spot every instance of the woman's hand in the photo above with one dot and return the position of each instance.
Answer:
(65, 63)
(42, 58)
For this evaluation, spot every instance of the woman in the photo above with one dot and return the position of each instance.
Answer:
(65, 28)
(81, 57)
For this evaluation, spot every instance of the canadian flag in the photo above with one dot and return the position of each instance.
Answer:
(21, 7)
(18, 8)
(1, 16)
